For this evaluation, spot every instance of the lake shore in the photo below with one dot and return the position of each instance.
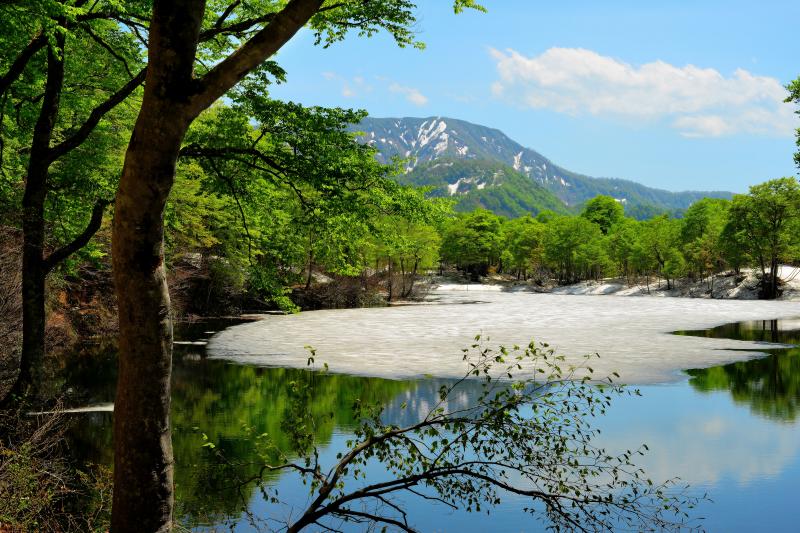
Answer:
(725, 286)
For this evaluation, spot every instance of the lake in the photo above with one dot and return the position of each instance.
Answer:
(724, 421)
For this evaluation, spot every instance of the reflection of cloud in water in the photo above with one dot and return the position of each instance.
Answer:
(707, 444)
(631, 334)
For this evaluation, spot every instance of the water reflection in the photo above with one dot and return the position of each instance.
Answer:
(220, 400)
(769, 385)
(694, 431)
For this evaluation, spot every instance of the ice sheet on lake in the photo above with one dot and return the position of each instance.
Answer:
(631, 334)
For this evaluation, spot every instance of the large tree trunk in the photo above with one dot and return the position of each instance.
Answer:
(142, 439)
(143, 463)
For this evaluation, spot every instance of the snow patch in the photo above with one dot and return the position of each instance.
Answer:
(452, 188)
(426, 135)
(518, 161)
(632, 335)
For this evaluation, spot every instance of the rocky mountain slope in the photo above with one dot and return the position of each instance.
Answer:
(426, 142)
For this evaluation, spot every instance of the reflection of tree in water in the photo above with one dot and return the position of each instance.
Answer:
(769, 385)
(221, 399)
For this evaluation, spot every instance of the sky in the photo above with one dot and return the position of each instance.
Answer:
(675, 94)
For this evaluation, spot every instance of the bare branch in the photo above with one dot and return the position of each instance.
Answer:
(345, 512)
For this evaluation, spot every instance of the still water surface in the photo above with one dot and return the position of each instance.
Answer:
(730, 430)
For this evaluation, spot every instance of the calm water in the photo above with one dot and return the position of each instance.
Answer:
(731, 430)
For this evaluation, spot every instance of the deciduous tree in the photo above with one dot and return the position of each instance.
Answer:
(178, 87)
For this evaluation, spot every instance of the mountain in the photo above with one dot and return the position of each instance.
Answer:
(483, 183)
(454, 157)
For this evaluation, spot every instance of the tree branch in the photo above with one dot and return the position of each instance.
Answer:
(236, 28)
(345, 512)
(95, 116)
(283, 26)
(107, 47)
(81, 240)
(230, 154)
(232, 187)
(16, 68)
(226, 13)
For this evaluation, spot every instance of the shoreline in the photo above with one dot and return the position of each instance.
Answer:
(724, 286)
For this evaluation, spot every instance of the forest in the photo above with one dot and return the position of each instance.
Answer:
(146, 176)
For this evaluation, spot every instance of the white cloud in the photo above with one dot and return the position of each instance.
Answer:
(411, 94)
(357, 86)
(698, 102)
(349, 87)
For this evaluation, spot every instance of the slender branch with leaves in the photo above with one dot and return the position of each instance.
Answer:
(527, 433)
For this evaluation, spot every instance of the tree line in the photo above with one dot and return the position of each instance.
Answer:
(759, 229)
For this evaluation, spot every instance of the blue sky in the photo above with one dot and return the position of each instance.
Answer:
(675, 94)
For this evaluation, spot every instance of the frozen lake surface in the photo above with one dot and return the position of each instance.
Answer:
(632, 335)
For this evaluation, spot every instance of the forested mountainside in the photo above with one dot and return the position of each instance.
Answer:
(484, 183)
(424, 142)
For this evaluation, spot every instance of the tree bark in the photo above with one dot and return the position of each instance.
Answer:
(142, 439)
(143, 463)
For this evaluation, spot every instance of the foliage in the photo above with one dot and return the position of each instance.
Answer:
(473, 241)
(604, 211)
(573, 249)
(766, 221)
(483, 183)
(41, 490)
(99, 59)
(794, 97)
(289, 191)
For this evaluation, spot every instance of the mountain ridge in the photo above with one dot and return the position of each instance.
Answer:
(422, 140)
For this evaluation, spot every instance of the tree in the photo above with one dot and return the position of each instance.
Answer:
(523, 242)
(572, 248)
(306, 194)
(473, 241)
(408, 246)
(701, 233)
(604, 211)
(660, 239)
(623, 243)
(65, 70)
(178, 87)
(768, 218)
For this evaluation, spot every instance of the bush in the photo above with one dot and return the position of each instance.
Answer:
(39, 489)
